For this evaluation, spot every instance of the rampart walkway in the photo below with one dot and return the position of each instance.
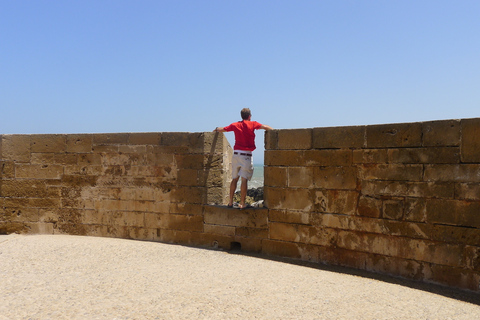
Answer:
(72, 277)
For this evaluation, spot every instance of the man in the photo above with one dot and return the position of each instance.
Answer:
(242, 160)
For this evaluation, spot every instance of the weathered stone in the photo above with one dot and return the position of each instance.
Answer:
(394, 135)
(336, 201)
(340, 157)
(295, 139)
(454, 212)
(48, 143)
(145, 138)
(339, 137)
(300, 177)
(441, 133)
(456, 173)
(79, 143)
(424, 155)
(275, 176)
(470, 140)
(335, 178)
(16, 147)
(370, 156)
(407, 172)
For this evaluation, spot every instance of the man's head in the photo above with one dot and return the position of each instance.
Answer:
(245, 113)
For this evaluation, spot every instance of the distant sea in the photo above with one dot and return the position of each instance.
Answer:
(257, 179)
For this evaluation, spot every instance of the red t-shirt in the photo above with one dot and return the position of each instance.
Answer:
(244, 134)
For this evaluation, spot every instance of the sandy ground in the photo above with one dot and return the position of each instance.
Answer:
(69, 277)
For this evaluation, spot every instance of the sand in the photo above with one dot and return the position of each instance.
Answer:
(73, 277)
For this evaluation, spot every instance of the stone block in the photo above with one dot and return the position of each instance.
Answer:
(441, 133)
(110, 139)
(342, 178)
(194, 161)
(216, 229)
(161, 159)
(135, 219)
(336, 201)
(188, 195)
(452, 172)
(188, 177)
(28, 189)
(470, 145)
(219, 215)
(288, 216)
(394, 266)
(396, 172)
(48, 143)
(281, 248)
(275, 176)
(132, 149)
(7, 169)
(454, 277)
(295, 139)
(370, 156)
(342, 157)
(105, 149)
(16, 148)
(369, 207)
(394, 135)
(424, 155)
(339, 137)
(408, 189)
(300, 177)
(89, 159)
(454, 212)
(194, 141)
(79, 143)
(284, 158)
(145, 138)
(36, 171)
(251, 233)
(215, 143)
(154, 220)
(271, 140)
(293, 199)
(393, 209)
(415, 209)
(467, 191)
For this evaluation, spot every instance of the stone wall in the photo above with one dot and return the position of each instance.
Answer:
(132, 185)
(399, 199)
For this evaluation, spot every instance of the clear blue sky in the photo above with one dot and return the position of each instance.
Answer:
(177, 65)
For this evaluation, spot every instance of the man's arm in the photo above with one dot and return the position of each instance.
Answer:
(265, 127)
(219, 129)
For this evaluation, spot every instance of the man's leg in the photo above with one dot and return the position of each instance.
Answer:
(243, 192)
(233, 187)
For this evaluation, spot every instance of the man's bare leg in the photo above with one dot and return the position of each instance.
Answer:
(233, 187)
(243, 192)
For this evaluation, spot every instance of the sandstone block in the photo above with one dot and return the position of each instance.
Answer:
(370, 156)
(256, 218)
(16, 147)
(275, 176)
(7, 169)
(453, 172)
(38, 171)
(271, 140)
(284, 158)
(369, 207)
(145, 138)
(183, 222)
(341, 178)
(28, 189)
(288, 216)
(451, 276)
(79, 143)
(470, 140)
(110, 138)
(394, 135)
(467, 191)
(281, 248)
(132, 149)
(441, 133)
(406, 172)
(424, 155)
(408, 189)
(293, 199)
(48, 143)
(454, 212)
(340, 157)
(415, 209)
(336, 201)
(188, 177)
(300, 177)
(395, 266)
(339, 137)
(216, 229)
(251, 233)
(105, 148)
(295, 139)
(194, 161)
(393, 209)
(135, 219)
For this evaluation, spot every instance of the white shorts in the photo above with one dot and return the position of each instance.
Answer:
(242, 165)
